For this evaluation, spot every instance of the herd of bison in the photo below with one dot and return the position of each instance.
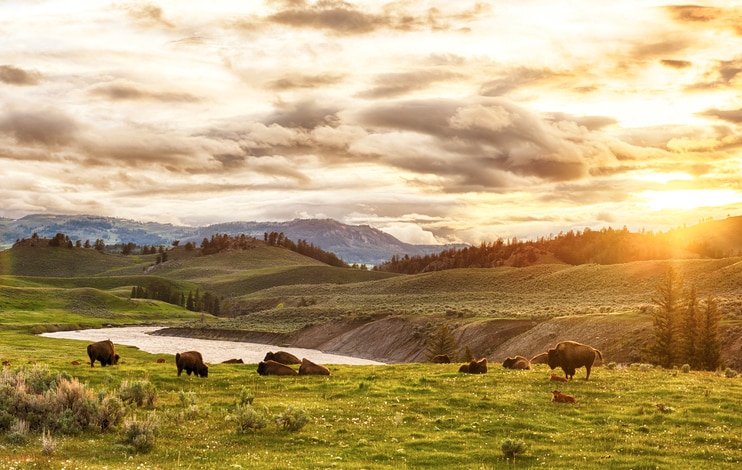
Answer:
(569, 355)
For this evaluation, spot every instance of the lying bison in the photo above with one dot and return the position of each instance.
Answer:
(517, 362)
(475, 367)
(570, 355)
(542, 358)
(271, 367)
(441, 359)
(559, 397)
(191, 361)
(233, 361)
(103, 352)
(308, 367)
(282, 357)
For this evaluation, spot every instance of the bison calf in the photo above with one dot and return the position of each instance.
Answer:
(559, 397)
(103, 352)
(271, 367)
(557, 378)
(191, 361)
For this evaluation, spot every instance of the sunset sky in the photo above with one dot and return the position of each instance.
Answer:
(435, 121)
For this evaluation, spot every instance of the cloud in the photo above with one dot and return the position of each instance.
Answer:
(17, 76)
(707, 17)
(723, 74)
(124, 91)
(396, 84)
(46, 127)
(676, 64)
(732, 115)
(148, 14)
(301, 81)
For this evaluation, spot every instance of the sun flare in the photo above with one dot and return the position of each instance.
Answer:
(690, 198)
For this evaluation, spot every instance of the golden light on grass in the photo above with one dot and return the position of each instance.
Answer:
(690, 198)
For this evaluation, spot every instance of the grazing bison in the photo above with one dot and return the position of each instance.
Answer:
(271, 367)
(308, 367)
(475, 367)
(160, 360)
(557, 378)
(559, 397)
(517, 362)
(283, 357)
(542, 358)
(103, 352)
(441, 359)
(570, 355)
(233, 361)
(191, 361)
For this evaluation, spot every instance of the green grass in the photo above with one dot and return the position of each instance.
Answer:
(392, 416)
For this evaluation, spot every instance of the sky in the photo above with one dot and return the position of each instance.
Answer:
(435, 121)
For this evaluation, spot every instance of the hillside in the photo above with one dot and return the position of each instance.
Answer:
(384, 316)
(360, 244)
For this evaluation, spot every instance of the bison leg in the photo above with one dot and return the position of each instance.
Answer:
(588, 372)
(180, 369)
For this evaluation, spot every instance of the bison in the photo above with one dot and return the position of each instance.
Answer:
(103, 352)
(191, 361)
(559, 397)
(517, 362)
(475, 367)
(570, 355)
(308, 367)
(271, 367)
(282, 357)
(233, 361)
(441, 359)
(160, 360)
(557, 378)
(542, 358)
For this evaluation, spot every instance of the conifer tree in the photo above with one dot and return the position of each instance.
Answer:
(441, 342)
(668, 301)
(708, 344)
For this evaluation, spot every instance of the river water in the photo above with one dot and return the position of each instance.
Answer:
(213, 351)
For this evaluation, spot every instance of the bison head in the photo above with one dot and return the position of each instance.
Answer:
(554, 360)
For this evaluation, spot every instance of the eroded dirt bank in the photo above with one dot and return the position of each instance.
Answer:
(621, 338)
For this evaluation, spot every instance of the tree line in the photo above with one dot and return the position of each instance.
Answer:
(197, 302)
(605, 246)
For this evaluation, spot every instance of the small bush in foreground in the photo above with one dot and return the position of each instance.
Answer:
(249, 419)
(292, 419)
(141, 392)
(141, 434)
(510, 448)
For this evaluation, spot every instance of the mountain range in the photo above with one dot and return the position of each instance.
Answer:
(354, 244)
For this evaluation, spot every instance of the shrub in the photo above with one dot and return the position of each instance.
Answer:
(292, 419)
(249, 419)
(141, 434)
(110, 412)
(246, 398)
(611, 366)
(685, 368)
(730, 373)
(510, 448)
(48, 443)
(141, 392)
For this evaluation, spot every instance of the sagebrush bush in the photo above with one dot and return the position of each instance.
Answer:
(249, 419)
(292, 419)
(246, 397)
(140, 392)
(142, 435)
(111, 411)
(48, 443)
(510, 448)
(730, 373)
(685, 368)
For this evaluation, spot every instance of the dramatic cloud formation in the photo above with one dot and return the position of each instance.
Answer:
(434, 120)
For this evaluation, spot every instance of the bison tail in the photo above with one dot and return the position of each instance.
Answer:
(177, 357)
(600, 355)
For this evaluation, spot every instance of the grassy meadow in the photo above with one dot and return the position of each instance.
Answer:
(391, 416)
(361, 417)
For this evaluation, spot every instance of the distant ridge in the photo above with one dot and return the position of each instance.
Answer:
(359, 244)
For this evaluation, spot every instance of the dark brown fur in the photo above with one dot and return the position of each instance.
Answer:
(310, 368)
(559, 397)
(103, 352)
(542, 358)
(441, 359)
(570, 355)
(475, 367)
(161, 360)
(516, 362)
(191, 361)
(271, 367)
(233, 361)
(283, 357)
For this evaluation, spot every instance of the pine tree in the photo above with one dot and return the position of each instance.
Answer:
(442, 342)
(708, 344)
(687, 330)
(668, 301)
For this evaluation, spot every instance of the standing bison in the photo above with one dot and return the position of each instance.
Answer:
(517, 362)
(308, 367)
(271, 367)
(570, 355)
(283, 357)
(104, 352)
(191, 361)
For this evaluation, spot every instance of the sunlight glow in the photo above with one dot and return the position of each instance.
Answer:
(690, 198)
(664, 178)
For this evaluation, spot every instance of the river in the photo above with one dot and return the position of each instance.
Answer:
(213, 351)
